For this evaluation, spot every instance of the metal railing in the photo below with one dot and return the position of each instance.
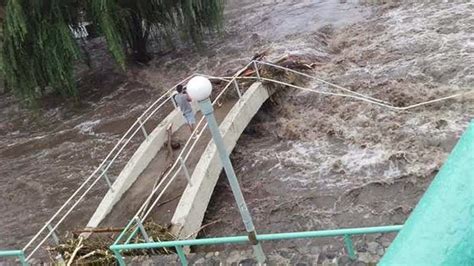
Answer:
(50, 227)
(179, 245)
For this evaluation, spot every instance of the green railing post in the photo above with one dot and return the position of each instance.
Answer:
(132, 235)
(346, 233)
(181, 255)
(256, 70)
(23, 259)
(119, 257)
(349, 247)
(142, 229)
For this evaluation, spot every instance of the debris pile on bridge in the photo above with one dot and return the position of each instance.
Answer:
(246, 77)
(289, 61)
(95, 248)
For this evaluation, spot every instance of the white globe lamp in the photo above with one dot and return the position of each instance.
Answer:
(199, 88)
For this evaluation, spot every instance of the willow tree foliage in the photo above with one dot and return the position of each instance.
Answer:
(39, 49)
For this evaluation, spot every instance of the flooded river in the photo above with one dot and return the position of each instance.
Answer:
(311, 161)
(307, 161)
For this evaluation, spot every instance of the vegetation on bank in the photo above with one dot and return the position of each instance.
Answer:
(39, 49)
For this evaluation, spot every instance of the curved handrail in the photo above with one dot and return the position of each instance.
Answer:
(103, 167)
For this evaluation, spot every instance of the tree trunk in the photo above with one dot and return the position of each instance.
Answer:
(139, 41)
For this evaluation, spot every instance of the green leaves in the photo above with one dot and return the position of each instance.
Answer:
(39, 49)
(111, 19)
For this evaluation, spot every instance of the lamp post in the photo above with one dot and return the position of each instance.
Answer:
(199, 89)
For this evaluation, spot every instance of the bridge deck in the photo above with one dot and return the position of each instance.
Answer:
(141, 188)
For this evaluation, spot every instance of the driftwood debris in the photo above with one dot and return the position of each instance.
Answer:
(79, 246)
(95, 249)
(203, 227)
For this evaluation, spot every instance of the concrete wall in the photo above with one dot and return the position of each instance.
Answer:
(135, 166)
(189, 214)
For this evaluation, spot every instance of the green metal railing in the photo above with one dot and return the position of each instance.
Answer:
(14, 253)
(180, 244)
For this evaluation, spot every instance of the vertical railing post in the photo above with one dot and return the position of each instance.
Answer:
(132, 235)
(349, 247)
(256, 70)
(142, 230)
(181, 255)
(143, 128)
(174, 101)
(185, 170)
(237, 88)
(53, 234)
(107, 179)
(119, 257)
(56, 241)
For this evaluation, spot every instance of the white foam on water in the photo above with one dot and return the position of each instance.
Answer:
(357, 160)
(87, 127)
(392, 171)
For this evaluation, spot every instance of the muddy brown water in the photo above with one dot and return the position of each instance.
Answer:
(313, 162)
(308, 162)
